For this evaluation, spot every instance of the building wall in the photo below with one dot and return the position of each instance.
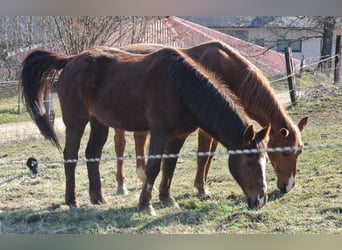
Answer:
(310, 48)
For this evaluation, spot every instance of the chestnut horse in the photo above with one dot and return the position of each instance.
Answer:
(164, 92)
(257, 96)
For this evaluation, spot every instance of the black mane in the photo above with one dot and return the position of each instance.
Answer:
(215, 107)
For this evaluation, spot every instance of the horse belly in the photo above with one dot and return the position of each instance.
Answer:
(121, 118)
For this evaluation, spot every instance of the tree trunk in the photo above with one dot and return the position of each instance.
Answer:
(327, 42)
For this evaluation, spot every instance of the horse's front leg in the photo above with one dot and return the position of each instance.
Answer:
(169, 165)
(97, 138)
(73, 137)
(157, 145)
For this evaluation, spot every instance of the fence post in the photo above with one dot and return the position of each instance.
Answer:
(290, 75)
(48, 101)
(337, 75)
(19, 98)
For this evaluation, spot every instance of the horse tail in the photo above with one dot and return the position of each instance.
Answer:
(38, 68)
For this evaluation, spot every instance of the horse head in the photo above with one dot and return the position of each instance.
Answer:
(249, 169)
(285, 162)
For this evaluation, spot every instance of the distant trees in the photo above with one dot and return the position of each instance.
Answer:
(71, 35)
(81, 32)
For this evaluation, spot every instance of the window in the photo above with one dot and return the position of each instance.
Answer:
(296, 45)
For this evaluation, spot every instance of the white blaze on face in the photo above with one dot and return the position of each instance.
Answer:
(262, 162)
(261, 200)
(290, 183)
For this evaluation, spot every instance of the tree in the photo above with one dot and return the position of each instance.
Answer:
(328, 24)
(320, 27)
(324, 26)
(81, 32)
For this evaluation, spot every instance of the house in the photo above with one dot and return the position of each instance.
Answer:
(274, 32)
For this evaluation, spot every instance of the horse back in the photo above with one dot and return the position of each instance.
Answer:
(120, 89)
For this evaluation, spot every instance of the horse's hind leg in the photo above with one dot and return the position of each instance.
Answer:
(205, 144)
(97, 138)
(73, 135)
(169, 165)
(213, 147)
(140, 150)
(120, 143)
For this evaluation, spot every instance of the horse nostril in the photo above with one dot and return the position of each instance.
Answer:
(252, 203)
(282, 188)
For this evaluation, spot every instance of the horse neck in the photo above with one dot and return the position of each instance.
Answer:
(250, 85)
(230, 130)
(213, 106)
(261, 101)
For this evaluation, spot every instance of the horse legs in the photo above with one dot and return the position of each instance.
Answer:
(140, 150)
(97, 138)
(169, 165)
(205, 144)
(73, 137)
(213, 148)
(120, 143)
(157, 145)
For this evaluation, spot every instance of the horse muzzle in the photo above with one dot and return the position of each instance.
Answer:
(285, 188)
(257, 202)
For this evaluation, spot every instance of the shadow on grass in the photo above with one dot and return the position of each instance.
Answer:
(90, 219)
(87, 219)
(275, 195)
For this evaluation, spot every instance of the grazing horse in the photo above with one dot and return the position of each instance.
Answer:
(249, 84)
(164, 92)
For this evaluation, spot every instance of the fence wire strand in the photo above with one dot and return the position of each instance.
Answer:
(180, 155)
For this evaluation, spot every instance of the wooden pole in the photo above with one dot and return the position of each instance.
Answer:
(337, 75)
(291, 77)
(19, 99)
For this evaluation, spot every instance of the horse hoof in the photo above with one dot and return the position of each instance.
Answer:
(148, 210)
(98, 201)
(71, 202)
(169, 202)
(122, 190)
(203, 192)
(72, 205)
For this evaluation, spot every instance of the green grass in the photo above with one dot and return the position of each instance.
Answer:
(12, 108)
(36, 205)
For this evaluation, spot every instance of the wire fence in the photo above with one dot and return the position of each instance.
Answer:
(181, 155)
(33, 171)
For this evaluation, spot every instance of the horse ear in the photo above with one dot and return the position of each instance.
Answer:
(284, 132)
(265, 133)
(249, 134)
(302, 123)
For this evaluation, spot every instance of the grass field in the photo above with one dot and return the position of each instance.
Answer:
(36, 205)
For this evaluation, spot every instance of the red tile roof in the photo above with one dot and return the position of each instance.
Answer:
(189, 34)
